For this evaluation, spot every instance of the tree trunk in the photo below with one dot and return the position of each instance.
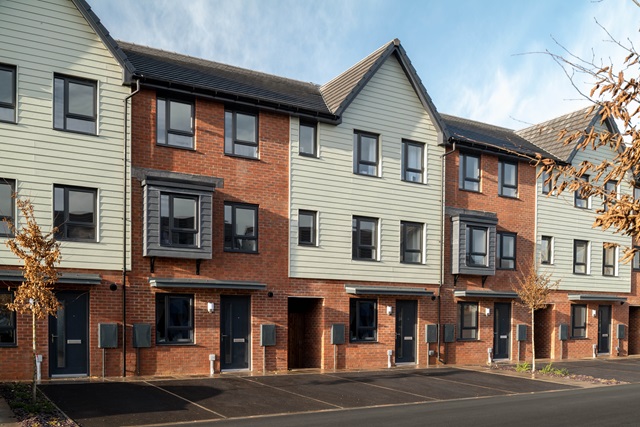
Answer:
(35, 363)
(533, 345)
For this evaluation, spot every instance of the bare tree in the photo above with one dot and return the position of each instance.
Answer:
(533, 289)
(40, 255)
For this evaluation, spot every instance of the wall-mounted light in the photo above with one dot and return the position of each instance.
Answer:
(210, 307)
(594, 313)
(487, 311)
(389, 310)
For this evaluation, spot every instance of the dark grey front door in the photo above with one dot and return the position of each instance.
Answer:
(406, 311)
(501, 330)
(234, 326)
(604, 327)
(68, 335)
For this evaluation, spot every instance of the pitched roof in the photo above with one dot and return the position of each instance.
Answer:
(225, 82)
(546, 135)
(489, 137)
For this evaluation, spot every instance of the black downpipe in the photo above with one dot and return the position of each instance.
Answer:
(444, 205)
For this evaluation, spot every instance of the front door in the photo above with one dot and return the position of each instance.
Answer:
(68, 335)
(234, 325)
(604, 327)
(406, 311)
(501, 330)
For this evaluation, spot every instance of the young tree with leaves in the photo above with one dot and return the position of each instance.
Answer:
(40, 255)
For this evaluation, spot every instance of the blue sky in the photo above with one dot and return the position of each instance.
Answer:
(476, 58)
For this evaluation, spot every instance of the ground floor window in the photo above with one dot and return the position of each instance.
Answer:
(578, 321)
(7, 320)
(363, 325)
(468, 320)
(174, 319)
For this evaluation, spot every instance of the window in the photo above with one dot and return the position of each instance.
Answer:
(546, 250)
(7, 320)
(578, 321)
(363, 320)
(469, 172)
(413, 161)
(307, 228)
(411, 242)
(174, 123)
(308, 145)
(580, 201)
(174, 319)
(635, 264)
(74, 213)
(476, 246)
(580, 257)
(609, 260)
(178, 220)
(364, 238)
(508, 178)
(74, 104)
(366, 154)
(468, 317)
(506, 251)
(241, 134)
(7, 205)
(240, 228)
(610, 187)
(546, 186)
(7, 93)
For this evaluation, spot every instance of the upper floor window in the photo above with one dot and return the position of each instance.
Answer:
(546, 250)
(469, 172)
(7, 205)
(610, 188)
(578, 321)
(413, 161)
(307, 228)
(580, 257)
(364, 238)
(74, 104)
(366, 154)
(581, 201)
(240, 228)
(7, 93)
(174, 123)
(363, 320)
(411, 242)
(609, 260)
(546, 183)
(7, 320)
(477, 246)
(178, 220)
(506, 251)
(468, 320)
(635, 264)
(174, 319)
(308, 143)
(74, 213)
(241, 134)
(508, 178)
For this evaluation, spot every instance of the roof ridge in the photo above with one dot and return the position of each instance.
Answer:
(385, 46)
(478, 122)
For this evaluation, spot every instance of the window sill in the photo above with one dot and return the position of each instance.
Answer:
(237, 156)
(76, 132)
(179, 147)
(509, 197)
(12, 122)
(367, 175)
(414, 182)
(311, 156)
(467, 339)
(59, 239)
(365, 259)
(173, 344)
(308, 245)
(8, 345)
(412, 263)
(235, 251)
(579, 338)
(470, 191)
(363, 342)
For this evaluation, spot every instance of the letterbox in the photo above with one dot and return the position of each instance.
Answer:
(107, 335)
(267, 335)
(141, 335)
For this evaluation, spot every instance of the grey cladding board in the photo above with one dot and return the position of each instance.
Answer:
(141, 335)
(337, 333)
(449, 331)
(461, 220)
(521, 333)
(267, 335)
(431, 333)
(563, 332)
(107, 335)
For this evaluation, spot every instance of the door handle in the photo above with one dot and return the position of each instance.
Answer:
(52, 337)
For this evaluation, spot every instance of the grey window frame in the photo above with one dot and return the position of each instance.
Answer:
(635, 262)
(546, 187)
(405, 161)
(462, 327)
(355, 328)
(403, 237)
(500, 247)
(578, 331)
(606, 266)
(463, 179)
(164, 299)
(10, 106)
(93, 118)
(578, 200)
(314, 152)
(502, 186)
(575, 260)
(62, 232)
(470, 254)
(549, 254)
(234, 130)
(607, 188)
(234, 206)
(358, 161)
(313, 231)
(11, 216)
(356, 244)
(11, 330)
(167, 123)
(171, 229)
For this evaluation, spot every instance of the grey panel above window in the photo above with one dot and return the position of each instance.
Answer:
(308, 140)
(241, 134)
(7, 205)
(366, 157)
(75, 213)
(7, 93)
(473, 242)
(174, 123)
(74, 104)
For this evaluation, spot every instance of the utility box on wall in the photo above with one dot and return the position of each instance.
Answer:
(267, 335)
(563, 332)
(449, 332)
(431, 333)
(107, 335)
(521, 332)
(337, 333)
(621, 332)
(141, 335)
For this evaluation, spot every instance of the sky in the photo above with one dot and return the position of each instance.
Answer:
(483, 60)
